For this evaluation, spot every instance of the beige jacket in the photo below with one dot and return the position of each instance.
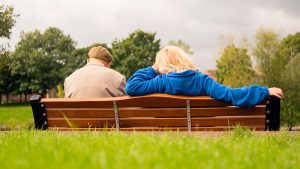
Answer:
(94, 80)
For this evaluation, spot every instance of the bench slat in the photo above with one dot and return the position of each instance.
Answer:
(140, 101)
(154, 112)
(157, 122)
(136, 103)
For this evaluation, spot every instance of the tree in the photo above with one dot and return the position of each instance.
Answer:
(267, 56)
(184, 46)
(135, 52)
(235, 67)
(290, 79)
(40, 59)
(279, 63)
(6, 79)
(291, 88)
(289, 47)
(7, 20)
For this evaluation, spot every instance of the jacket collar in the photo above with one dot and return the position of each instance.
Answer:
(184, 73)
(93, 62)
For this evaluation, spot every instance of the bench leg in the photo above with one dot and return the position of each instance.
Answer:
(273, 114)
(39, 113)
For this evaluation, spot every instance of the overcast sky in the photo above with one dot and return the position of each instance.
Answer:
(200, 23)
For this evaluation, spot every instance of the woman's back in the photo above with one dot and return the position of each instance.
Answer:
(174, 73)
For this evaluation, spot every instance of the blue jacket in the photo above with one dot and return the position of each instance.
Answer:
(193, 83)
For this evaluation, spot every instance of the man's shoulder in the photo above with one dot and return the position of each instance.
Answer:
(77, 71)
(95, 69)
(116, 73)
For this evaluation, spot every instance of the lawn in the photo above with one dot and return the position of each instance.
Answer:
(15, 115)
(238, 149)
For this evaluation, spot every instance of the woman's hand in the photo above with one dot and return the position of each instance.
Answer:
(274, 91)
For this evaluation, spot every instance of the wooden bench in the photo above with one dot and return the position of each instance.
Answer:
(157, 112)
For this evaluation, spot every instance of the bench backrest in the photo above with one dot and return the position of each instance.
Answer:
(157, 112)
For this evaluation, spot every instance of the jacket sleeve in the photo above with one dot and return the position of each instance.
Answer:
(121, 88)
(247, 96)
(144, 81)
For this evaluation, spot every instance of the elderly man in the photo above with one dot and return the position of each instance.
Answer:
(95, 79)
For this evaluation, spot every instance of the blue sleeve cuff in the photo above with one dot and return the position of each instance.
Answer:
(152, 71)
(266, 91)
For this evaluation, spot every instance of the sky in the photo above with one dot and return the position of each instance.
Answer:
(200, 23)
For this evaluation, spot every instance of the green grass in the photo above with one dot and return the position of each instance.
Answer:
(15, 115)
(30, 149)
(239, 149)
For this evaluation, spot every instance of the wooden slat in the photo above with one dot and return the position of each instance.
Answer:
(219, 128)
(161, 122)
(82, 122)
(141, 101)
(80, 113)
(151, 112)
(204, 121)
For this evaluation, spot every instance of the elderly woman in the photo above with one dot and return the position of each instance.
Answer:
(174, 73)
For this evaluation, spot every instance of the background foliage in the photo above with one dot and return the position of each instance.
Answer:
(136, 51)
(7, 20)
(234, 68)
(277, 64)
(40, 60)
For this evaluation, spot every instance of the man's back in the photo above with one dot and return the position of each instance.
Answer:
(93, 81)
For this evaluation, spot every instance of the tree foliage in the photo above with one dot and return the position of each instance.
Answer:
(290, 79)
(235, 67)
(289, 47)
(40, 59)
(6, 79)
(278, 61)
(7, 20)
(267, 56)
(291, 86)
(135, 52)
(184, 46)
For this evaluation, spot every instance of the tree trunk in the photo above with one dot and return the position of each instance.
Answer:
(20, 100)
(25, 97)
(7, 98)
(291, 122)
(0, 98)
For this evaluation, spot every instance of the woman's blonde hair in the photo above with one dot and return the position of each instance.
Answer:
(173, 59)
